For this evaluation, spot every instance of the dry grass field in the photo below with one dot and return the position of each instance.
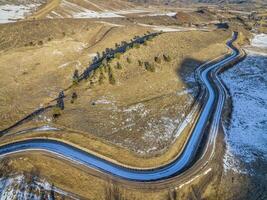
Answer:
(129, 111)
(161, 99)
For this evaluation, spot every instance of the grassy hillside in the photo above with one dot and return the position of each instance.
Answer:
(222, 2)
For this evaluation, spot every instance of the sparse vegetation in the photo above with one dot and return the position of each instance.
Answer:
(149, 67)
(75, 77)
(113, 192)
(60, 100)
(157, 60)
(167, 58)
(101, 78)
(140, 63)
(103, 68)
(74, 96)
(56, 112)
(111, 77)
(118, 65)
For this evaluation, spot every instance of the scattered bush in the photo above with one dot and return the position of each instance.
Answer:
(111, 77)
(56, 112)
(40, 43)
(129, 60)
(74, 96)
(167, 58)
(149, 67)
(106, 68)
(140, 63)
(60, 101)
(91, 82)
(118, 66)
(112, 80)
(101, 78)
(145, 43)
(157, 60)
(75, 77)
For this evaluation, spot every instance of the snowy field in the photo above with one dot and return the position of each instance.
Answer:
(21, 187)
(246, 136)
(73, 10)
(12, 13)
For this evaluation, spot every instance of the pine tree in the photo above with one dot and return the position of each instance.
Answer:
(75, 76)
(60, 100)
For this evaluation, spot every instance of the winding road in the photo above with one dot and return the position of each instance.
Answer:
(207, 123)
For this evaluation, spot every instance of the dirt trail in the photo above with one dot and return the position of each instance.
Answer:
(102, 33)
(48, 7)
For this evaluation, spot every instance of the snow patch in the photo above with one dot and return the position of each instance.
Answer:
(166, 28)
(170, 14)
(140, 108)
(27, 187)
(75, 63)
(77, 11)
(184, 92)
(12, 13)
(58, 53)
(160, 130)
(107, 103)
(246, 136)
(259, 40)
(46, 128)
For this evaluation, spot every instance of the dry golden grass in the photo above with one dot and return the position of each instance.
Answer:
(135, 85)
(34, 75)
(75, 179)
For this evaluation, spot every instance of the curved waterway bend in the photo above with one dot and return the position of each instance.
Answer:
(180, 164)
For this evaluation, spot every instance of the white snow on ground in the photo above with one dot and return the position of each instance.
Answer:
(77, 11)
(75, 63)
(131, 11)
(161, 28)
(154, 132)
(57, 53)
(91, 55)
(46, 128)
(11, 13)
(103, 101)
(247, 82)
(170, 14)
(111, 24)
(21, 187)
(184, 91)
(107, 103)
(167, 28)
(259, 40)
